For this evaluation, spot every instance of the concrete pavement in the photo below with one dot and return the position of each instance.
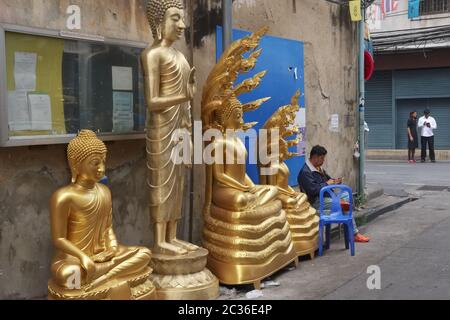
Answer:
(398, 176)
(410, 245)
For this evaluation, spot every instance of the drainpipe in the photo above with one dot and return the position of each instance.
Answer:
(227, 16)
(362, 147)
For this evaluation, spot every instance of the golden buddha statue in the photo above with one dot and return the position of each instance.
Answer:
(89, 263)
(169, 88)
(302, 217)
(179, 266)
(246, 230)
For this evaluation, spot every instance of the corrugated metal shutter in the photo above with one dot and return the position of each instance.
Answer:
(426, 83)
(440, 110)
(379, 110)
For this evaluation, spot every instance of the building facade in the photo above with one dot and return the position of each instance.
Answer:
(31, 169)
(412, 61)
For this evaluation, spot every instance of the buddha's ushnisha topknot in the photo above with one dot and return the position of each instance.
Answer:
(84, 145)
(156, 9)
(229, 104)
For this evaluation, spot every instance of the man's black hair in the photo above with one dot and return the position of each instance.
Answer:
(318, 151)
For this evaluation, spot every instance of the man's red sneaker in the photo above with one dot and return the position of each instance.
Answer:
(360, 238)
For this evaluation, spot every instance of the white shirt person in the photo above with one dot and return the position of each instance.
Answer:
(426, 125)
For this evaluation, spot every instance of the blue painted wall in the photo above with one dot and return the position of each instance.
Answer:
(283, 59)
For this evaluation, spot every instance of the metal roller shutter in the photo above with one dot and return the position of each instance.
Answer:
(379, 110)
(428, 83)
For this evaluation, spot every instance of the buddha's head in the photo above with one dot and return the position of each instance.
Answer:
(87, 157)
(231, 115)
(166, 18)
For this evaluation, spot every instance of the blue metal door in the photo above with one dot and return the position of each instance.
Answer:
(284, 61)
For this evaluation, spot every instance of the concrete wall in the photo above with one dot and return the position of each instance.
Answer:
(29, 175)
(398, 20)
(330, 71)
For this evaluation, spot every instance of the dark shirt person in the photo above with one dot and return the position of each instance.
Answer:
(312, 178)
(413, 141)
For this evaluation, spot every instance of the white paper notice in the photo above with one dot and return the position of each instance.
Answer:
(334, 123)
(122, 78)
(25, 70)
(123, 117)
(18, 111)
(300, 121)
(41, 112)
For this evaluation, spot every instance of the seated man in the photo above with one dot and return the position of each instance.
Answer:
(312, 178)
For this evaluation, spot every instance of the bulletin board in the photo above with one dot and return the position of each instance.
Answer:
(48, 72)
(52, 86)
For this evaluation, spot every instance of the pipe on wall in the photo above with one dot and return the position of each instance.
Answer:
(362, 147)
(227, 12)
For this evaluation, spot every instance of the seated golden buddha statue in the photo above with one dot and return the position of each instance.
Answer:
(246, 231)
(301, 216)
(89, 263)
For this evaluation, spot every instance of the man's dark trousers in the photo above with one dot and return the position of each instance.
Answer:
(430, 141)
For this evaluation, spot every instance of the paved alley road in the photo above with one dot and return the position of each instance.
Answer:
(394, 176)
(410, 245)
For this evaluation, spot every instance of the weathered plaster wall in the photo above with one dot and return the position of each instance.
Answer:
(330, 70)
(125, 19)
(28, 176)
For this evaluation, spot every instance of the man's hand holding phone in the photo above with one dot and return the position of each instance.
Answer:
(334, 181)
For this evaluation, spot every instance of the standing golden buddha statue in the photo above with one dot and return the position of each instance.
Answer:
(302, 217)
(89, 263)
(246, 230)
(179, 266)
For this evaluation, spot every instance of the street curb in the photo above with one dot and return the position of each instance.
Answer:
(373, 191)
(371, 214)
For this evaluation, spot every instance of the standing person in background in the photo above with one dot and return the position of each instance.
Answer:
(413, 141)
(427, 124)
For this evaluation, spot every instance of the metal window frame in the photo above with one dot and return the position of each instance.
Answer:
(5, 139)
(428, 9)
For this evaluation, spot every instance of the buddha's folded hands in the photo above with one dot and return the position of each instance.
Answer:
(105, 255)
(89, 266)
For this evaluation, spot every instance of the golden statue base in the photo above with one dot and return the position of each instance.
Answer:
(230, 274)
(184, 277)
(246, 247)
(137, 287)
(304, 226)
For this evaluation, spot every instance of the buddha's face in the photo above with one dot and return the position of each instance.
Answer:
(173, 25)
(236, 120)
(92, 168)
